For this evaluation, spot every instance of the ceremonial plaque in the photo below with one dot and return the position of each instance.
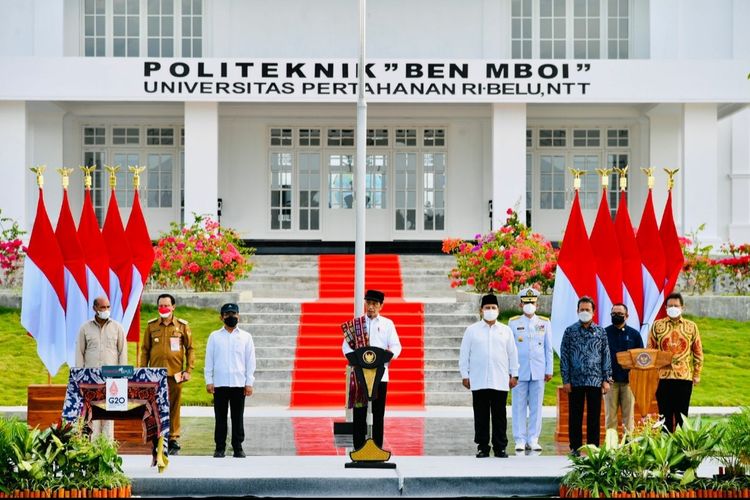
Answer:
(644, 367)
(369, 365)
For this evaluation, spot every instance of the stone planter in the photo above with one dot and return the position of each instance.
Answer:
(507, 301)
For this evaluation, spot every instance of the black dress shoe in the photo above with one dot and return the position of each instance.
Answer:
(483, 454)
(501, 454)
(219, 454)
(238, 454)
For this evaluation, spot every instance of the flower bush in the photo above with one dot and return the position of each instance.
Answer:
(735, 269)
(699, 272)
(12, 251)
(204, 256)
(505, 260)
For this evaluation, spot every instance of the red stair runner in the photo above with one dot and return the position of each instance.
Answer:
(319, 377)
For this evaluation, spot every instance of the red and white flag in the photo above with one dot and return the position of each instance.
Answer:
(95, 251)
(608, 262)
(652, 257)
(575, 275)
(673, 256)
(120, 262)
(632, 270)
(143, 258)
(77, 311)
(43, 300)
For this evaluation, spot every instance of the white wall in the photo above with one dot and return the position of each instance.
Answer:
(694, 29)
(31, 28)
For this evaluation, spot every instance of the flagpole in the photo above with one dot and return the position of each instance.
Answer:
(359, 177)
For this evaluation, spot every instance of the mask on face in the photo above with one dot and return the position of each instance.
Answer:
(165, 312)
(585, 316)
(618, 319)
(103, 315)
(674, 312)
(490, 314)
(529, 309)
(231, 321)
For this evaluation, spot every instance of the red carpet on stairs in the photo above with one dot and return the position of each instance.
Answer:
(319, 377)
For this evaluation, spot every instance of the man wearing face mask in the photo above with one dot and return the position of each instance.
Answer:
(682, 338)
(230, 374)
(620, 337)
(586, 370)
(488, 363)
(168, 343)
(533, 337)
(101, 341)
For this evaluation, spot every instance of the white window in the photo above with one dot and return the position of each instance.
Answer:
(406, 137)
(91, 158)
(376, 180)
(377, 137)
(618, 138)
(586, 138)
(341, 137)
(309, 137)
(580, 29)
(555, 138)
(129, 136)
(406, 192)
(94, 136)
(434, 137)
(159, 136)
(552, 182)
(340, 181)
(142, 28)
(281, 137)
(124, 189)
(615, 160)
(281, 190)
(433, 169)
(159, 169)
(529, 187)
(309, 191)
(590, 181)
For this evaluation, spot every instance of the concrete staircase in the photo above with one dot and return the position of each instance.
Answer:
(280, 283)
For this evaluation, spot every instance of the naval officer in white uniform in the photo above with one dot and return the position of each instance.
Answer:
(533, 336)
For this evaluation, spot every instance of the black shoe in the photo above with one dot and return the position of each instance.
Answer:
(483, 454)
(219, 454)
(174, 444)
(238, 453)
(575, 453)
(173, 448)
(501, 453)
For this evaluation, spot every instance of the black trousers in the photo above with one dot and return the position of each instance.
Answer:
(673, 398)
(232, 398)
(489, 404)
(592, 396)
(378, 414)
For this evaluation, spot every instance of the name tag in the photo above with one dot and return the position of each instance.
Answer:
(174, 343)
(117, 394)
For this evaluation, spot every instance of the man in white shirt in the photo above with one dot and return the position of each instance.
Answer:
(489, 368)
(533, 337)
(229, 373)
(382, 333)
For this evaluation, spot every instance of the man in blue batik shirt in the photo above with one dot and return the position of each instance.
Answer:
(586, 371)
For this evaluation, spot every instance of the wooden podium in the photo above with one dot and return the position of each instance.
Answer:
(644, 367)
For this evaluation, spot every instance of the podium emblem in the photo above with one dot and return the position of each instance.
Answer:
(369, 357)
(644, 360)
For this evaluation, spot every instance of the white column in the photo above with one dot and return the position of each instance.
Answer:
(739, 178)
(14, 189)
(665, 151)
(700, 146)
(201, 159)
(508, 161)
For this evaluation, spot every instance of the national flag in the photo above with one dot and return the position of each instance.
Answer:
(652, 257)
(673, 256)
(632, 270)
(43, 299)
(143, 258)
(575, 275)
(77, 311)
(95, 251)
(120, 262)
(608, 262)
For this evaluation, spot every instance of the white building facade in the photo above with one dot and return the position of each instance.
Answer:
(252, 102)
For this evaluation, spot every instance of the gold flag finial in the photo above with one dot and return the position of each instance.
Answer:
(604, 173)
(39, 171)
(671, 173)
(65, 174)
(577, 177)
(650, 173)
(112, 175)
(623, 177)
(136, 170)
(87, 172)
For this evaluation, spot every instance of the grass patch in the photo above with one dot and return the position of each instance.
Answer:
(725, 379)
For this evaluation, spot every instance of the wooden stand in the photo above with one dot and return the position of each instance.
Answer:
(644, 367)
